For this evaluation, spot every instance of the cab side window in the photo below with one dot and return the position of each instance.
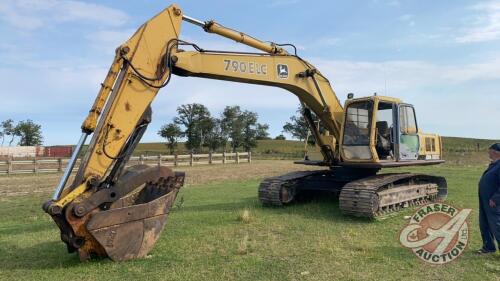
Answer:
(408, 123)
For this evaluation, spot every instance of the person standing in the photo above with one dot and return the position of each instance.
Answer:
(489, 203)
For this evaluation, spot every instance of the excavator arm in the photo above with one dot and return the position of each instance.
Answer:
(117, 211)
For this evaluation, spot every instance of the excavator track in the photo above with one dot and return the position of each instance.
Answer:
(381, 195)
(280, 190)
(371, 197)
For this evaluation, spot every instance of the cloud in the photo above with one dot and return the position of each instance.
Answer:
(63, 87)
(35, 14)
(106, 41)
(275, 3)
(387, 2)
(402, 76)
(328, 41)
(486, 24)
(408, 18)
(319, 43)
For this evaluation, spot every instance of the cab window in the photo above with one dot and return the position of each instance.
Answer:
(357, 126)
(408, 123)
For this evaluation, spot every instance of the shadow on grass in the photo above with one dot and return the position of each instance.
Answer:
(44, 255)
(323, 206)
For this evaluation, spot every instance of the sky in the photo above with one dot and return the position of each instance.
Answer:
(441, 56)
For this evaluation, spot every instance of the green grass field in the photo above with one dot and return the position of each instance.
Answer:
(206, 240)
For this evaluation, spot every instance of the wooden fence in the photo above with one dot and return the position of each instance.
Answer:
(40, 165)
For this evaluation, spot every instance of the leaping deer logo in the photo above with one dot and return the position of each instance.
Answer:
(282, 71)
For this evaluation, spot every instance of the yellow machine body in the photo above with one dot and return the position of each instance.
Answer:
(121, 112)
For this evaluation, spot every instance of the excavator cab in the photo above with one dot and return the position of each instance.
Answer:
(384, 131)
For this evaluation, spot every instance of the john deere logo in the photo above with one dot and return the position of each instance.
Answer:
(282, 71)
(437, 233)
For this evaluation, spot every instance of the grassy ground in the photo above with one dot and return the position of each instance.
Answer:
(206, 239)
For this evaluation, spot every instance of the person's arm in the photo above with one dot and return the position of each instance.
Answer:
(495, 199)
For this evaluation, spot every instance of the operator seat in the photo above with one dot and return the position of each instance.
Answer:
(383, 146)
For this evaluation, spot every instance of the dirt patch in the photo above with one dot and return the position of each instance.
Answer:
(197, 175)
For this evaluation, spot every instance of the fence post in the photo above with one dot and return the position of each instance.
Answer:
(237, 157)
(210, 157)
(141, 159)
(224, 157)
(159, 160)
(9, 165)
(249, 157)
(191, 159)
(175, 159)
(59, 162)
(35, 166)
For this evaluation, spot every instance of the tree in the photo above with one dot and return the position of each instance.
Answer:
(249, 124)
(280, 137)
(196, 120)
(232, 127)
(213, 139)
(262, 132)
(298, 126)
(30, 133)
(241, 128)
(172, 132)
(8, 130)
(238, 127)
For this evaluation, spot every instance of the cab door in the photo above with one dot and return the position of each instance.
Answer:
(407, 141)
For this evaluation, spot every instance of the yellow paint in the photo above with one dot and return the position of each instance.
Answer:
(213, 27)
(430, 145)
(123, 97)
(72, 195)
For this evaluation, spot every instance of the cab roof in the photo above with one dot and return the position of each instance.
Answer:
(373, 98)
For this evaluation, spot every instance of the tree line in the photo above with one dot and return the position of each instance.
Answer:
(235, 128)
(27, 132)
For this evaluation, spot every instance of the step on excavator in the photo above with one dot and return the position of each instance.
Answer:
(118, 211)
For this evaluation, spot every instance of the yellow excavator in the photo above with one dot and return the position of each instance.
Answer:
(116, 211)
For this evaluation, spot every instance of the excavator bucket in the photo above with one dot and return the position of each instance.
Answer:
(125, 221)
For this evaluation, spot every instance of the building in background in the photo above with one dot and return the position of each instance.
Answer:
(58, 151)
